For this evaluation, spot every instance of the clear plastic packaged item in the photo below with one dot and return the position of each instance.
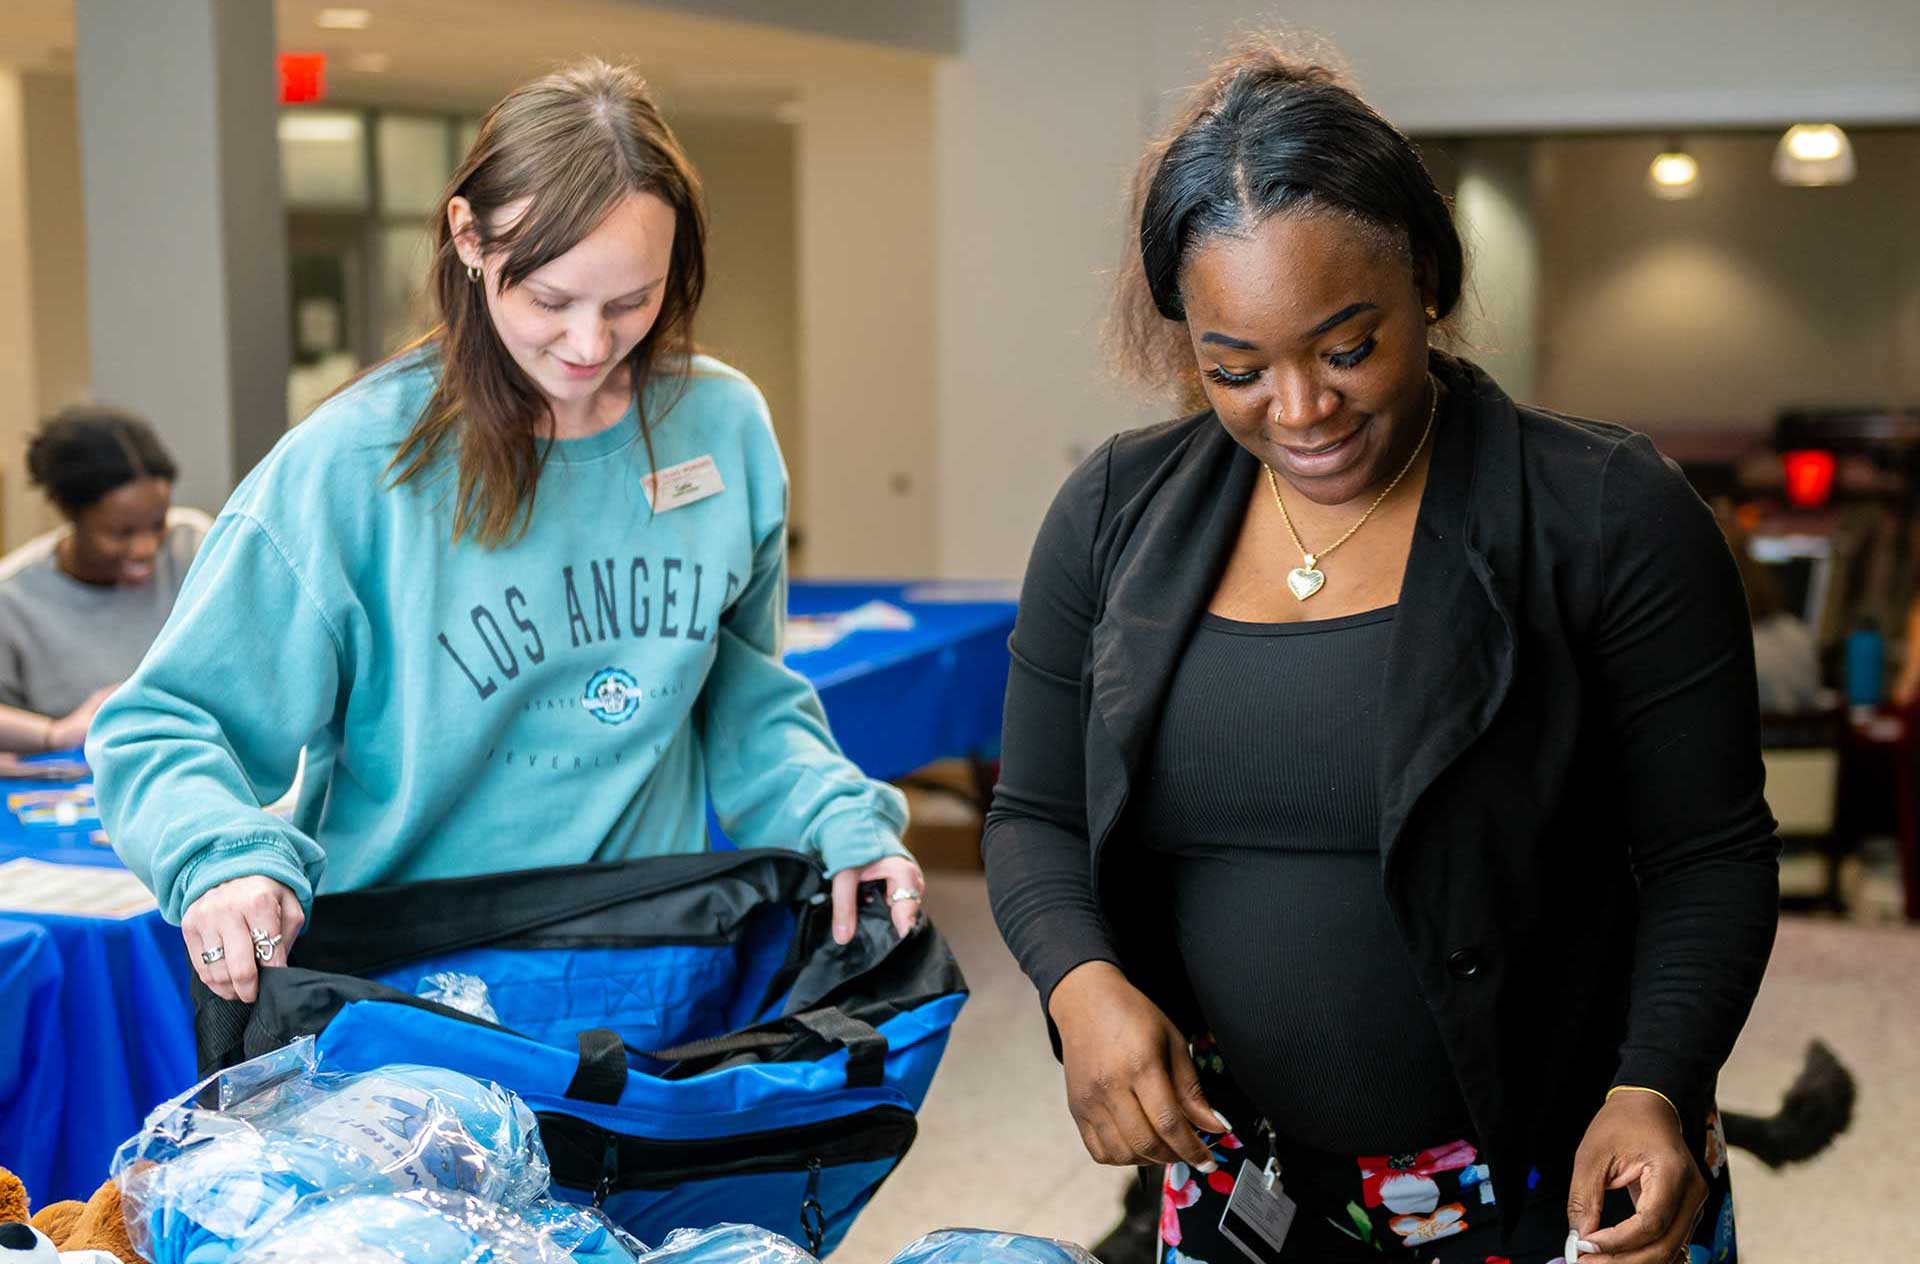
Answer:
(197, 1181)
(984, 1246)
(467, 993)
(585, 1233)
(421, 1226)
(727, 1244)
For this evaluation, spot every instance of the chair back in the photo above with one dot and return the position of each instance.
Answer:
(1801, 752)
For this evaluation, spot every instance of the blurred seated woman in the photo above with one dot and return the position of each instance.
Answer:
(1786, 658)
(79, 608)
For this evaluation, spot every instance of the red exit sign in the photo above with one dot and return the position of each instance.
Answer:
(303, 78)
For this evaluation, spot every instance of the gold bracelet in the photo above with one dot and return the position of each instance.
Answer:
(1641, 1088)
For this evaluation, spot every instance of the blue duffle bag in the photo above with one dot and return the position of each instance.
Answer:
(696, 1048)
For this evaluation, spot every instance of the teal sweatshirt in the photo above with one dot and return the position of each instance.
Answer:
(577, 694)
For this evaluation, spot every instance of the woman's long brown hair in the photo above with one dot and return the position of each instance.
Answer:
(575, 143)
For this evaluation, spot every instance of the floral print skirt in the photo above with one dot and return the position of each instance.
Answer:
(1435, 1204)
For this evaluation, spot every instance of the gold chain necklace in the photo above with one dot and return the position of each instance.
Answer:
(1306, 580)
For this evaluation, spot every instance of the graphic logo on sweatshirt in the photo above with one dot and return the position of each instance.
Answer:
(612, 696)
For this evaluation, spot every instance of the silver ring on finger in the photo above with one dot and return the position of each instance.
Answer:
(213, 954)
(904, 895)
(264, 946)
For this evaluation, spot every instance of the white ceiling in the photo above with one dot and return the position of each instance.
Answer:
(464, 54)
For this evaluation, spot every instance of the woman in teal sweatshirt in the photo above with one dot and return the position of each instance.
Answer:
(518, 591)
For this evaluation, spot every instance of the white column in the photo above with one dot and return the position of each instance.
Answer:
(186, 235)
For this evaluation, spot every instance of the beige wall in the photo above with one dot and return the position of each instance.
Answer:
(43, 300)
(1039, 127)
(1498, 320)
(61, 365)
(1510, 66)
(867, 217)
(751, 314)
(17, 398)
(1718, 311)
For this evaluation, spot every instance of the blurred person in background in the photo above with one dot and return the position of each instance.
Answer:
(411, 584)
(1380, 813)
(1906, 683)
(80, 607)
(1786, 658)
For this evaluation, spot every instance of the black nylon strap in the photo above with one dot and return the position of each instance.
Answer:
(720, 1046)
(866, 1048)
(602, 1073)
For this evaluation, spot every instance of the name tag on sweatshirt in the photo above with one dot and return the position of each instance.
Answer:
(683, 484)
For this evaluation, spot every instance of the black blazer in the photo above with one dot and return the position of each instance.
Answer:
(1573, 840)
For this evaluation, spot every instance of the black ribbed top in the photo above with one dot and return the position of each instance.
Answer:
(1260, 800)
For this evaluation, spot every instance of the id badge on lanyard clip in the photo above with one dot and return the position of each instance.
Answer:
(1259, 1213)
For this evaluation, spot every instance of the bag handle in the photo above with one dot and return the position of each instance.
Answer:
(601, 1075)
(602, 1071)
(866, 1047)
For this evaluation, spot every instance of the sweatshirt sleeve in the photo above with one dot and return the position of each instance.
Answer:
(211, 725)
(776, 776)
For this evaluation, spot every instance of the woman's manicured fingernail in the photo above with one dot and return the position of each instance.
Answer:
(1225, 1127)
(1209, 1167)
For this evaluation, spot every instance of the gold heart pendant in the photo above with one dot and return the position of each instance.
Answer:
(1305, 582)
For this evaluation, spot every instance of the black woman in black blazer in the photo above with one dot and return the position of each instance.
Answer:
(1573, 843)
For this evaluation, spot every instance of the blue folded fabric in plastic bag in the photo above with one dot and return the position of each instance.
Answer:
(728, 1244)
(983, 1246)
(427, 1227)
(201, 1179)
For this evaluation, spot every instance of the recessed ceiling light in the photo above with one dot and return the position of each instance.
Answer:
(369, 63)
(343, 19)
(1813, 154)
(1674, 174)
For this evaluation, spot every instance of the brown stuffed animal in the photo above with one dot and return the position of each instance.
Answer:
(95, 1225)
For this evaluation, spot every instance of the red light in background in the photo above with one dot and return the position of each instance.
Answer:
(303, 77)
(1809, 477)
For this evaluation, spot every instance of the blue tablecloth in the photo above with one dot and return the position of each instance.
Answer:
(898, 700)
(95, 1025)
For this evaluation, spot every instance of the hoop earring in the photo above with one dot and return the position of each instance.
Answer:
(473, 274)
